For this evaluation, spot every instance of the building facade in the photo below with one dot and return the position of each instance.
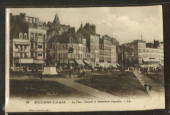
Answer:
(107, 55)
(88, 31)
(140, 53)
(94, 49)
(151, 56)
(60, 54)
(27, 43)
(67, 47)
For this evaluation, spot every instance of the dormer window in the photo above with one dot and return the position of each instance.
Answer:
(20, 35)
(25, 35)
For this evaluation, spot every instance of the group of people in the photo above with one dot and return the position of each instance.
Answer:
(148, 87)
(150, 69)
(73, 71)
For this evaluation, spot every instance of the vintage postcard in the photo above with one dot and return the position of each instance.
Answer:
(84, 59)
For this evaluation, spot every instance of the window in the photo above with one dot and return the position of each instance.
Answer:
(16, 46)
(39, 46)
(22, 55)
(40, 54)
(30, 20)
(36, 35)
(25, 35)
(32, 35)
(32, 55)
(32, 45)
(33, 20)
(35, 44)
(21, 47)
(39, 35)
(20, 35)
(25, 55)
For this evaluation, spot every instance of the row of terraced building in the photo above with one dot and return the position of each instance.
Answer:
(35, 44)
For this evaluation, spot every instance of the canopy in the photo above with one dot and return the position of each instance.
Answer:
(86, 62)
(79, 62)
(38, 61)
(150, 60)
(113, 65)
(150, 65)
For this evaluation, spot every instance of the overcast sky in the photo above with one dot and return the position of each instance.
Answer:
(124, 23)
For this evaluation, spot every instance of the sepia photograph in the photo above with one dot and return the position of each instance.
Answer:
(84, 59)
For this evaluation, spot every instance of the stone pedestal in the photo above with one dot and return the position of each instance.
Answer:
(49, 71)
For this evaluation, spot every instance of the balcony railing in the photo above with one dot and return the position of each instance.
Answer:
(26, 60)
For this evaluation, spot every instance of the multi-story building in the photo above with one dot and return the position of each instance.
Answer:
(107, 55)
(27, 42)
(151, 56)
(141, 53)
(101, 50)
(85, 44)
(67, 47)
(38, 44)
(94, 49)
(56, 28)
(92, 42)
(20, 54)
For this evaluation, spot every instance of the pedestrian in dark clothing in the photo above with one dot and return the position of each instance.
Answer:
(147, 87)
(150, 87)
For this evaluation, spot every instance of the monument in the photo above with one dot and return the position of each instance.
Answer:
(49, 71)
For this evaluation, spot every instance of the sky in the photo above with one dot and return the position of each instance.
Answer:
(124, 23)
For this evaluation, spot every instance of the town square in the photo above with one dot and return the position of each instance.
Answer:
(57, 60)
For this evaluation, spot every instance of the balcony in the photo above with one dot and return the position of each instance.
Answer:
(40, 40)
(38, 61)
(26, 61)
(22, 50)
(21, 41)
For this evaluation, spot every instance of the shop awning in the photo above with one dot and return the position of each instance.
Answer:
(38, 61)
(26, 61)
(86, 62)
(23, 43)
(79, 62)
(71, 61)
(150, 60)
(104, 64)
(113, 65)
(117, 64)
(149, 65)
